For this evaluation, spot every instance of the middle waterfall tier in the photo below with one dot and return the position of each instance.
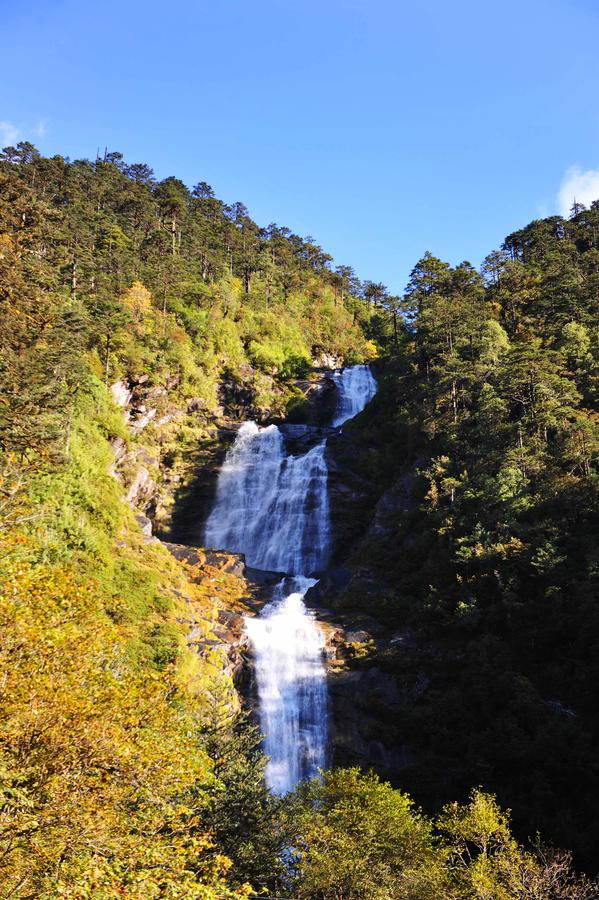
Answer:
(271, 506)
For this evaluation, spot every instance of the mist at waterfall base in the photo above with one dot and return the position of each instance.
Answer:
(274, 508)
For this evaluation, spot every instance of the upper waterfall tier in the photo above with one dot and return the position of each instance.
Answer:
(272, 507)
(357, 387)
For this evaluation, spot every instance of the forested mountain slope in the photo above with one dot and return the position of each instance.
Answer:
(109, 719)
(125, 769)
(484, 435)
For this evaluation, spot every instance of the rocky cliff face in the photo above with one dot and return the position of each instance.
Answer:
(170, 482)
(170, 467)
(222, 576)
(366, 699)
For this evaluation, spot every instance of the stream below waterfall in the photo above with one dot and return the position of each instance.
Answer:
(273, 507)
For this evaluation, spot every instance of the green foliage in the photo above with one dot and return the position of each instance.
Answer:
(99, 756)
(119, 775)
(488, 412)
(147, 275)
(114, 782)
(243, 815)
(484, 857)
(359, 838)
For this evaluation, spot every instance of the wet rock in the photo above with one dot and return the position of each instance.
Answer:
(357, 637)
(262, 578)
(334, 640)
(301, 438)
(331, 585)
(557, 707)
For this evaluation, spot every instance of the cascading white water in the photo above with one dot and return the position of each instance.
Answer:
(274, 508)
(291, 681)
(357, 387)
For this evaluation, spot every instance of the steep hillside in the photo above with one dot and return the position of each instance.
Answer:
(481, 555)
(142, 322)
(139, 319)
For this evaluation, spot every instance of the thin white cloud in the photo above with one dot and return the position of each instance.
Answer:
(9, 133)
(41, 129)
(579, 186)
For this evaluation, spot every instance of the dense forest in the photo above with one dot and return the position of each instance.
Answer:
(488, 416)
(127, 768)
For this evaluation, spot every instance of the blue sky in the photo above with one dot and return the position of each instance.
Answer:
(381, 128)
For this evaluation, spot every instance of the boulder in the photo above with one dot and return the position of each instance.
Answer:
(300, 438)
(144, 523)
(328, 361)
(196, 404)
(357, 637)
(142, 490)
(143, 418)
(121, 394)
(316, 403)
(172, 381)
(170, 414)
(119, 449)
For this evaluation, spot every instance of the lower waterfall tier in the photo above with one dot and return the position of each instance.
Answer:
(291, 683)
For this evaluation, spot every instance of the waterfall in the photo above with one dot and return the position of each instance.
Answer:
(356, 387)
(274, 507)
(271, 506)
(291, 681)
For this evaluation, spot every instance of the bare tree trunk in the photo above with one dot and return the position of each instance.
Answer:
(454, 400)
(74, 277)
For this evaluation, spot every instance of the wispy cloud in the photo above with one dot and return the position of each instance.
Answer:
(579, 186)
(9, 133)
